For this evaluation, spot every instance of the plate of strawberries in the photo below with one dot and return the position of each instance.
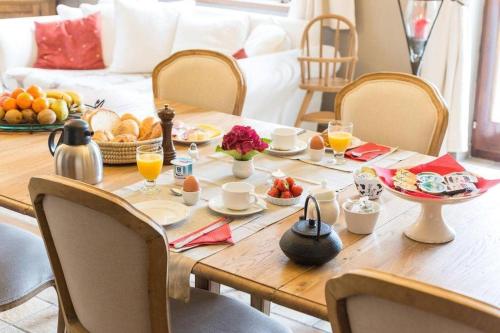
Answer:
(284, 192)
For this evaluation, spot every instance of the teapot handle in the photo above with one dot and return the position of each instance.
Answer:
(317, 212)
(52, 145)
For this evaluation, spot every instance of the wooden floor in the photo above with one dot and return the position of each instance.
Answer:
(39, 315)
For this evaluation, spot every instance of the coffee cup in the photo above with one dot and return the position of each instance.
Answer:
(238, 195)
(284, 138)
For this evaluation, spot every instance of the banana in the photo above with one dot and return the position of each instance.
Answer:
(58, 94)
(76, 97)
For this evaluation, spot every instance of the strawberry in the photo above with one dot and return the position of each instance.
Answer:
(296, 190)
(282, 185)
(286, 195)
(290, 182)
(274, 192)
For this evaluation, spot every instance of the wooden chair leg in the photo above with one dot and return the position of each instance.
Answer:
(304, 107)
(260, 304)
(205, 284)
(61, 326)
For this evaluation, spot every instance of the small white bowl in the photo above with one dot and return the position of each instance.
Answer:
(191, 198)
(283, 202)
(316, 155)
(360, 222)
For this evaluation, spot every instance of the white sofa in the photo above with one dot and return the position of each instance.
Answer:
(272, 79)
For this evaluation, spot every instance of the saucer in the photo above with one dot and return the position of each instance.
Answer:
(299, 148)
(217, 206)
(164, 212)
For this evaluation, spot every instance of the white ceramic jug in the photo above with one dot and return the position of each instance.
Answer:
(328, 203)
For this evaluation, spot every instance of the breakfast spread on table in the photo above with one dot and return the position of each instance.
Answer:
(452, 184)
(108, 126)
(37, 106)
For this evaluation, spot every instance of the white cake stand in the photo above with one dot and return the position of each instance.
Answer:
(430, 226)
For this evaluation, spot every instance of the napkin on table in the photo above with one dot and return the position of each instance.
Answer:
(368, 156)
(221, 235)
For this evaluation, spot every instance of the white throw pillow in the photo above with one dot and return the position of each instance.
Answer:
(267, 38)
(143, 35)
(69, 13)
(215, 31)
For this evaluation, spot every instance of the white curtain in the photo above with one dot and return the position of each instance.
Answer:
(308, 9)
(447, 64)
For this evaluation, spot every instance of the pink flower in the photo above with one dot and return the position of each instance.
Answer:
(243, 140)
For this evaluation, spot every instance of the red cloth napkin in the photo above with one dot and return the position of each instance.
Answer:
(442, 165)
(221, 235)
(367, 156)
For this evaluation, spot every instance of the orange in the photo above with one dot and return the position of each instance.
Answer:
(16, 92)
(35, 91)
(40, 104)
(9, 103)
(24, 100)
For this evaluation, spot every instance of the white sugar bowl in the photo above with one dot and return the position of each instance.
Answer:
(361, 215)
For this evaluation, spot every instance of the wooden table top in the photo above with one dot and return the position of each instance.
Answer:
(468, 265)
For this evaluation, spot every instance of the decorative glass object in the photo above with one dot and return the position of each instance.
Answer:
(419, 17)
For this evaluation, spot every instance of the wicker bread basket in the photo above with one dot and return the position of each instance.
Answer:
(123, 152)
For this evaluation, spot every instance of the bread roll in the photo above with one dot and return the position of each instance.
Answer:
(126, 116)
(125, 138)
(128, 126)
(146, 127)
(100, 136)
(156, 132)
(103, 120)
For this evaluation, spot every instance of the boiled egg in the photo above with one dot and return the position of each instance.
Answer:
(191, 184)
(316, 143)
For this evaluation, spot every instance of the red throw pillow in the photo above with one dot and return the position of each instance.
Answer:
(240, 54)
(70, 44)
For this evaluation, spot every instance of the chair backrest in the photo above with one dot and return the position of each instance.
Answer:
(109, 260)
(395, 109)
(327, 54)
(368, 301)
(203, 78)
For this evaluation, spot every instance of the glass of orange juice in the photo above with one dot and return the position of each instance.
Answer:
(339, 137)
(149, 162)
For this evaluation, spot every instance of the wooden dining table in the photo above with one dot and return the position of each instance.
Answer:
(468, 265)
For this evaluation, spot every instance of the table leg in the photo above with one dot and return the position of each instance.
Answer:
(263, 305)
(205, 284)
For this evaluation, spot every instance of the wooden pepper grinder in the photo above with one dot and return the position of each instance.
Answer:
(166, 115)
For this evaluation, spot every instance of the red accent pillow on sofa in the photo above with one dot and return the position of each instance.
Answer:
(70, 44)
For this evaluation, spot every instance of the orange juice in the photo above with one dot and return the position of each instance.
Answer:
(149, 165)
(339, 141)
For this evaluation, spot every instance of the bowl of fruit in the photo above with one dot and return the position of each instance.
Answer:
(35, 109)
(284, 192)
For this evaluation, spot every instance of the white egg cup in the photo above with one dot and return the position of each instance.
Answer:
(316, 155)
(191, 198)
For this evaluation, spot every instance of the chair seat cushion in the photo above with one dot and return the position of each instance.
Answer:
(211, 313)
(24, 265)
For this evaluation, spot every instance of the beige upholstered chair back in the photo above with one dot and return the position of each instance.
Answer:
(395, 109)
(109, 260)
(202, 78)
(368, 301)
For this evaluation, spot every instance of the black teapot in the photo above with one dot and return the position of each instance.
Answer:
(310, 242)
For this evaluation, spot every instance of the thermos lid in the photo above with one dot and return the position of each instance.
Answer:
(76, 132)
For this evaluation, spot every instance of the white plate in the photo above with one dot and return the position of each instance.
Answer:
(199, 142)
(301, 146)
(164, 212)
(217, 206)
(355, 143)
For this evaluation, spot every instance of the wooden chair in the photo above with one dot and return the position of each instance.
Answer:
(203, 78)
(110, 265)
(326, 64)
(375, 302)
(395, 109)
